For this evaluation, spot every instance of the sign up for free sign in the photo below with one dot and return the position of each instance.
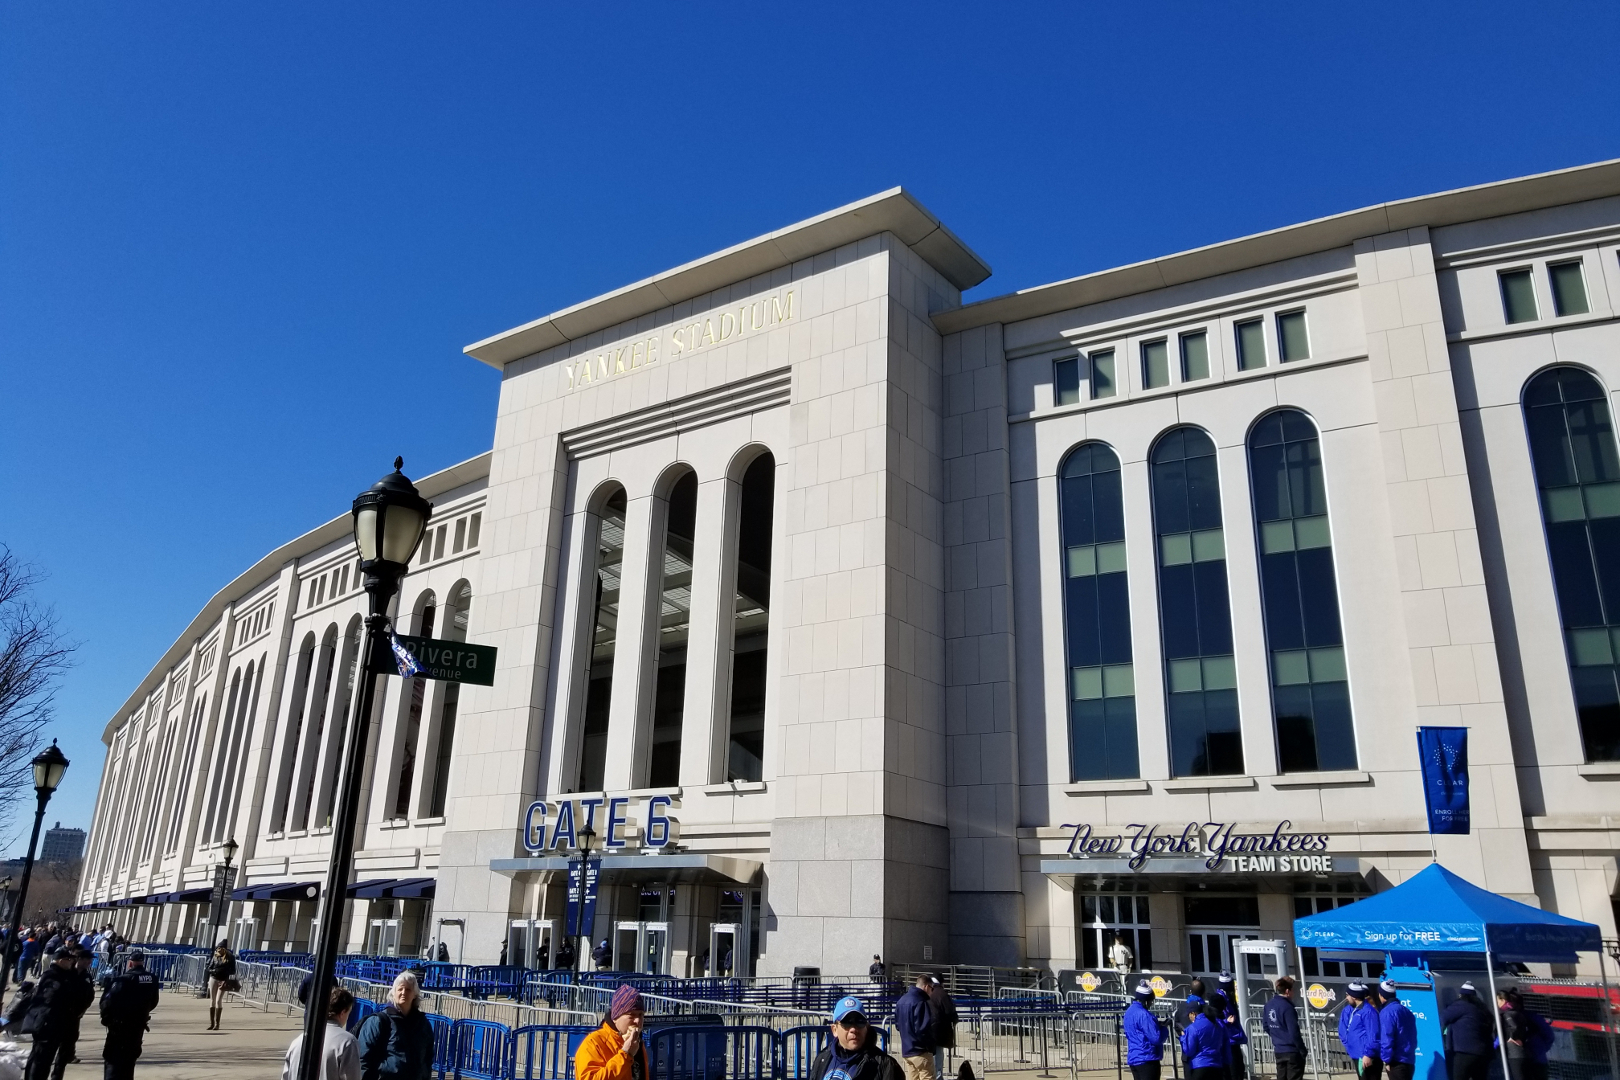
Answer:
(452, 661)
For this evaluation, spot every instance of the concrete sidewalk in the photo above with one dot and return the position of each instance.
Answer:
(249, 1046)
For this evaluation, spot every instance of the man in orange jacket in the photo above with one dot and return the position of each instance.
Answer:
(614, 1051)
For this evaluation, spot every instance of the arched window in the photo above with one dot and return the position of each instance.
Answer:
(416, 695)
(309, 750)
(455, 629)
(1195, 617)
(1310, 691)
(1578, 474)
(674, 625)
(745, 745)
(297, 703)
(1102, 686)
(222, 751)
(188, 764)
(324, 779)
(609, 548)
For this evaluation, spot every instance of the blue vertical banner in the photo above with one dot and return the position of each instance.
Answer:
(576, 872)
(1443, 754)
(587, 903)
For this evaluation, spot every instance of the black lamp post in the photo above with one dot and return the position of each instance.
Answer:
(585, 837)
(49, 767)
(389, 520)
(219, 902)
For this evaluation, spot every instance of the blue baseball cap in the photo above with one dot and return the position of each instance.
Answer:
(847, 1004)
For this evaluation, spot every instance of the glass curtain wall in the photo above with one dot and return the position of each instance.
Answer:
(1194, 615)
(745, 746)
(1310, 691)
(1102, 688)
(1578, 474)
(674, 626)
(604, 631)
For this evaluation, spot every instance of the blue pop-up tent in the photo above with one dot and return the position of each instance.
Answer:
(1437, 911)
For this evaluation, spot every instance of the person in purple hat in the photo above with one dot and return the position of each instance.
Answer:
(615, 1051)
(852, 1053)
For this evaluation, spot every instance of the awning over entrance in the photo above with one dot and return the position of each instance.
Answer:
(394, 889)
(685, 868)
(286, 890)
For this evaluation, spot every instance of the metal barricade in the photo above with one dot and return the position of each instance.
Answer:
(545, 1051)
(715, 1052)
(479, 1050)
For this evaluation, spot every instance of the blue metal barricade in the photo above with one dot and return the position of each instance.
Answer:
(714, 1053)
(443, 1042)
(479, 1050)
(800, 1045)
(363, 1007)
(545, 1051)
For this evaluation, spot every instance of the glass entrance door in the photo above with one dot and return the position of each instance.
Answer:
(723, 941)
(1210, 949)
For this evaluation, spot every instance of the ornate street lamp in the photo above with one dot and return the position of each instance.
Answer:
(389, 520)
(219, 902)
(49, 768)
(585, 838)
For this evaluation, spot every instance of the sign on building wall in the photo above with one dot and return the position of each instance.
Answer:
(452, 661)
(555, 825)
(1218, 844)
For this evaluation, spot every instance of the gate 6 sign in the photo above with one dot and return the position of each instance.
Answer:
(555, 824)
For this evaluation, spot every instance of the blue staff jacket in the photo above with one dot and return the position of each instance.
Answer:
(1282, 1024)
(1144, 1035)
(1397, 1035)
(1203, 1044)
(1358, 1030)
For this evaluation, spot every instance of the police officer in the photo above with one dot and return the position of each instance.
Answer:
(53, 1017)
(125, 1008)
(1397, 1034)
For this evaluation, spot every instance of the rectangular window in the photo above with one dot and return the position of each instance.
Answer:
(1518, 296)
(1102, 374)
(1194, 356)
(461, 535)
(1291, 338)
(1251, 344)
(1155, 364)
(438, 544)
(472, 530)
(1568, 288)
(1066, 381)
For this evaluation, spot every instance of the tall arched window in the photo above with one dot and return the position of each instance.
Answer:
(455, 629)
(1578, 474)
(1310, 691)
(674, 625)
(1102, 686)
(322, 790)
(182, 794)
(609, 548)
(297, 703)
(745, 746)
(426, 611)
(1195, 617)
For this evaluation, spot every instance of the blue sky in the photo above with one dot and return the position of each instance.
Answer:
(242, 245)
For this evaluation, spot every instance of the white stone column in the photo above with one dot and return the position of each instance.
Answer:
(637, 588)
(708, 649)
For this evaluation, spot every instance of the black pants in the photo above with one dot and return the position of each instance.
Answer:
(1372, 1071)
(1207, 1072)
(50, 1054)
(1290, 1066)
(1468, 1066)
(1148, 1070)
(123, 1048)
(1398, 1070)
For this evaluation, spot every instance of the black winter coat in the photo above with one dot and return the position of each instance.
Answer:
(58, 1002)
(395, 1044)
(1470, 1024)
(873, 1063)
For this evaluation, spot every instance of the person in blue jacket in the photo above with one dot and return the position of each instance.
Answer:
(1358, 1031)
(1204, 1045)
(1145, 1035)
(1471, 1029)
(1281, 1021)
(1397, 1034)
(914, 1018)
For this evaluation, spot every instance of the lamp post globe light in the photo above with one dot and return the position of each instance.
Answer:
(389, 520)
(49, 767)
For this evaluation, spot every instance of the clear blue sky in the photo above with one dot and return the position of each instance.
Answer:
(242, 245)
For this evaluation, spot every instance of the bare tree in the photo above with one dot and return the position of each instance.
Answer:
(33, 656)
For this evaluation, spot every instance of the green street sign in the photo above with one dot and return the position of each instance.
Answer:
(452, 661)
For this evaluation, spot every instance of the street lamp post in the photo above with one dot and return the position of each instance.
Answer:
(585, 838)
(389, 520)
(218, 901)
(49, 767)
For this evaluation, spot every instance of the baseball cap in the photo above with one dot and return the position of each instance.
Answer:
(847, 1004)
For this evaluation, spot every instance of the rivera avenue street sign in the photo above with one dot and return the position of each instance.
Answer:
(452, 661)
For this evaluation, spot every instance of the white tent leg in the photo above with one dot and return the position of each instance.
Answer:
(1496, 1011)
(1606, 1013)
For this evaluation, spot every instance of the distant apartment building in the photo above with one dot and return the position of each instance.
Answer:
(62, 845)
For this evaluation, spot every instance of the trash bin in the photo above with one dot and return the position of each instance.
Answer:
(805, 982)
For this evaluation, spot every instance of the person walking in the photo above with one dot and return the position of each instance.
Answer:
(603, 955)
(53, 1016)
(913, 1016)
(1358, 1031)
(1145, 1035)
(1397, 1034)
(615, 1051)
(444, 953)
(1470, 1031)
(1281, 1021)
(340, 1057)
(944, 1013)
(397, 1043)
(221, 980)
(125, 1007)
(852, 1053)
(1203, 1044)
